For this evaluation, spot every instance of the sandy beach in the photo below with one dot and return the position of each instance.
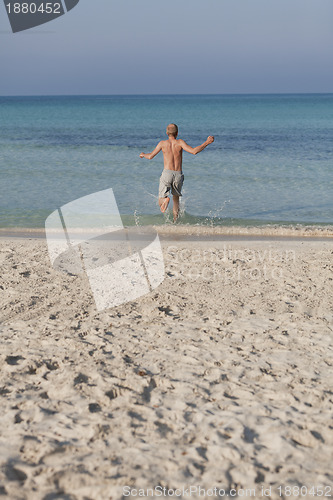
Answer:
(219, 378)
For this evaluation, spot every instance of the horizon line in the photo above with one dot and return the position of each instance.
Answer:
(170, 94)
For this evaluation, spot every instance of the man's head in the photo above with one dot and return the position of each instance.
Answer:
(172, 130)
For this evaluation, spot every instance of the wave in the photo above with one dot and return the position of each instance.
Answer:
(204, 225)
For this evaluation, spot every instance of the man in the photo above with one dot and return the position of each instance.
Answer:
(172, 177)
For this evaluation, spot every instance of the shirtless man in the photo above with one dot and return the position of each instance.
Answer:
(172, 177)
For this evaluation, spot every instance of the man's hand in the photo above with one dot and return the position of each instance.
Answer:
(210, 139)
(142, 155)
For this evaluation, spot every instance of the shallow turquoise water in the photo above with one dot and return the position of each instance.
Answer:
(271, 160)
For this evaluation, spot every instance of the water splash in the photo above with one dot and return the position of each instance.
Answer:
(214, 216)
(181, 208)
(136, 216)
(168, 217)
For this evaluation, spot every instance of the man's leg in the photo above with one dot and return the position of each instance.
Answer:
(177, 184)
(164, 190)
(175, 207)
(163, 203)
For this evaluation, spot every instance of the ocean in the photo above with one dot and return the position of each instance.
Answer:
(271, 162)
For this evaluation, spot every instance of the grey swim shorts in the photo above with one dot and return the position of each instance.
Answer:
(170, 180)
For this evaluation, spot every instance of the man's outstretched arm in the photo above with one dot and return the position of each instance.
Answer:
(150, 156)
(198, 149)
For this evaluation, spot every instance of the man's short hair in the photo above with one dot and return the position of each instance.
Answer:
(172, 129)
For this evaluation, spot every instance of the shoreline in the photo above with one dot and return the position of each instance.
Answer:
(193, 233)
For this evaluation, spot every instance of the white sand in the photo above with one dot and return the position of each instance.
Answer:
(221, 377)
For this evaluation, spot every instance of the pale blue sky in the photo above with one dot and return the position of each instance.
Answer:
(175, 46)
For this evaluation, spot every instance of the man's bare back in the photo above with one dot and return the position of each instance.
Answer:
(172, 153)
(172, 150)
